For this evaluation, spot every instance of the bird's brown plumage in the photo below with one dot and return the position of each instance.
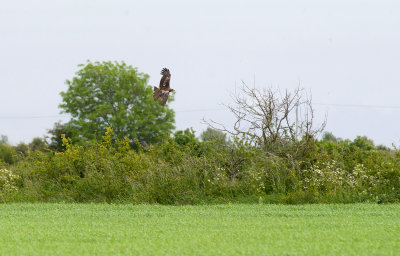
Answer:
(164, 89)
(166, 76)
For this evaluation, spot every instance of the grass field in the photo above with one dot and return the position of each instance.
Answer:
(99, 229)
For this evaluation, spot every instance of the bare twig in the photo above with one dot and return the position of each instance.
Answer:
(269, 118)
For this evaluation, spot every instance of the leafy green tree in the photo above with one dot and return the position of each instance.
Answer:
(211, 134)
(185, 137)
(38, 144)
(328, 136)
(3, 139)
(60, 129)
(7, 154)
(187, 141)
(22, 149)
(364, 143)
(112, 94)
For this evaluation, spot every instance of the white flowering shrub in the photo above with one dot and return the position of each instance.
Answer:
(255, 178)
(218, 177)
(8, 181)
(332, 177)
(217, 180)
(326, 177)
(366, 183)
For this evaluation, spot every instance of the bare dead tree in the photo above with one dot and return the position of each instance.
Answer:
(272, 119)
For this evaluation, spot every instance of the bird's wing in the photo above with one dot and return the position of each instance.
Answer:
(166, 76)
(164, 98)
(156, 93)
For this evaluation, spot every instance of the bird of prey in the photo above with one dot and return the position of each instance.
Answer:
(164, 89)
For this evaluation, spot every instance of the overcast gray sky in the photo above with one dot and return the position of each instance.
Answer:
(346, 52)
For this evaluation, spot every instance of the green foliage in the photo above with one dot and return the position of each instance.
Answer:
(186, 141)
(180, 170)
(7, 154)
(211, 134)
(22, 149)
(38, 144)
(59, 129)
(106, 94)
(184, 170)
(328, 136)
(185, 137)
(363, 142)
(3, 139)
(8, 181)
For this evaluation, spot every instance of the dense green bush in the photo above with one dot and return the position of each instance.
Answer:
(184, 170)
(108, 170)
(8, 155)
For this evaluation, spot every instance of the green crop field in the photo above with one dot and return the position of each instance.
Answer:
(101, 229)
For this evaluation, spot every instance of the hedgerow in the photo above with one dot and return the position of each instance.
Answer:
(184, 170)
